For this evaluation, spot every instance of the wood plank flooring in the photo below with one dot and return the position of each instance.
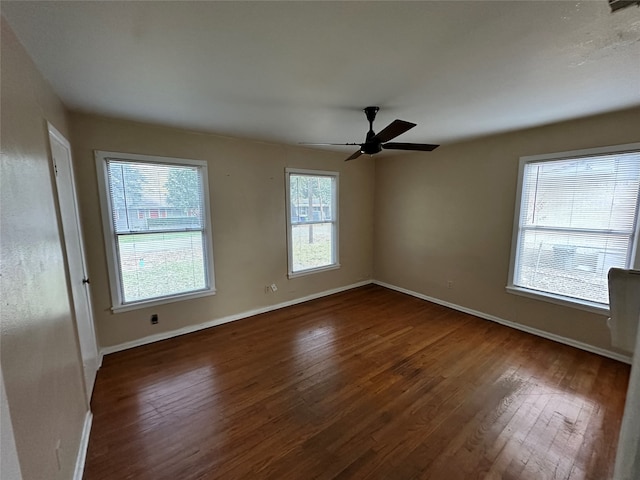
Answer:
(365, 384)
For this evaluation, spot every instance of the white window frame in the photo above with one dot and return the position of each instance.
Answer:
(110, 236)
(633, 262)
(334, 221)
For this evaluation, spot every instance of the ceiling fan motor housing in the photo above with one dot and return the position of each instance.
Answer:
(371, 148)
(370, 112)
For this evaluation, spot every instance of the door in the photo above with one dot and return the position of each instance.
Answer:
(78, 277)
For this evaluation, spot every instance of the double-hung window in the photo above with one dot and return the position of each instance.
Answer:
(576, 217)
(155, 213)
(312, 221)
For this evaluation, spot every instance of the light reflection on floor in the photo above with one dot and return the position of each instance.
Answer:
(548, 422)
(316, 361)
(315, 344)
(170, 401)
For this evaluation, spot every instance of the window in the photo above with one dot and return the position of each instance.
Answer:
(576, 217)
(155, 259)
(312, 221)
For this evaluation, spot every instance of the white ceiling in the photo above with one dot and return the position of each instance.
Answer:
(302, 71)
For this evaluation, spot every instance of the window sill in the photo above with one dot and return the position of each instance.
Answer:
(161, 301)
(310, 271)
(560, 300)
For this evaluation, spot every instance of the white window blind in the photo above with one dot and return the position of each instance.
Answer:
(159, 232)
(577, 219)
(312, 220)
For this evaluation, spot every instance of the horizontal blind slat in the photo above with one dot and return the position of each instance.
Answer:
(151, 196)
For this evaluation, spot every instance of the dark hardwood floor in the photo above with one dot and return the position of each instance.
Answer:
(368, 383)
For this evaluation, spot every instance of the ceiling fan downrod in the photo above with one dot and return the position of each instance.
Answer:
(370, 147)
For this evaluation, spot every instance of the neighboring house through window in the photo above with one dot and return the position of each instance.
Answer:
(157, 228)
(576, 217)
(312, 221)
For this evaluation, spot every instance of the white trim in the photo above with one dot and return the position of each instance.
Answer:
(84, 445)
(107, 227)
(89, 358)
(162, 300)
(534, 331)
(515, 233)
(587, 152)
(335, 220)
(313, 173)
(585, 305)
(111, 248)
(136, 157)
(230, 318)
(310, 271)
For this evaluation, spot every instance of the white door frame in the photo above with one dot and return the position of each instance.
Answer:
(90, 356)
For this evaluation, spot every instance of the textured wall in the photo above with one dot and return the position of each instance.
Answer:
(39, 350)
(247, 189)
(448, 215)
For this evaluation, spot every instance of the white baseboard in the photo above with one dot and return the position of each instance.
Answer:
(220, 321)
(231, 318)
(517, 326)
(84, 445)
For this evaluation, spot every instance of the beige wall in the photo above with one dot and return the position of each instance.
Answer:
(246, 181)
(38, 350)
(448, 215)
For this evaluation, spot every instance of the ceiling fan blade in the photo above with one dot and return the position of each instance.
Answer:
(305, 143)
(422, 147)
(395, 128)
(354, 156)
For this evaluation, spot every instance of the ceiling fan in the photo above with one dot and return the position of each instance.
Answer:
(376, 142)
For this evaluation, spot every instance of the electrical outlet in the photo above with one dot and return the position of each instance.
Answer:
(274, 287)
(450, 284)
(154, 319)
